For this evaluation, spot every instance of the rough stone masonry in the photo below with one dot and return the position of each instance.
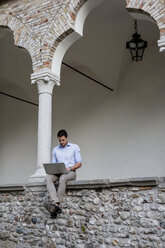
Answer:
(93, 217)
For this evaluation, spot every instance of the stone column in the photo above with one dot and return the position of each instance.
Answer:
(45, 83)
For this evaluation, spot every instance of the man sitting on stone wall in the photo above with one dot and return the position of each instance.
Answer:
(69, 154)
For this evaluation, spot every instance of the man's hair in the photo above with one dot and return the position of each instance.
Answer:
(62, 133)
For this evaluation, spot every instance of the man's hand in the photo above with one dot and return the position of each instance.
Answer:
(74, 167)
(68, 169)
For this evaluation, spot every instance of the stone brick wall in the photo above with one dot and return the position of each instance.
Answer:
(93, 216)
(39, 26)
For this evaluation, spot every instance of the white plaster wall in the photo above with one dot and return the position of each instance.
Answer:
(18, 137)
(121, 134)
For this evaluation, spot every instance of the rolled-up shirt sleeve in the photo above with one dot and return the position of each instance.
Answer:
(54, 160)
(77, 154)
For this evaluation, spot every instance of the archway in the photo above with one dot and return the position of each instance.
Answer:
(113, 129)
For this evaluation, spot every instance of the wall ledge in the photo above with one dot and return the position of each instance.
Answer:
(11, 187)
(91, 184)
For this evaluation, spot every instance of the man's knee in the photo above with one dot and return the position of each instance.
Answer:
(49, 178)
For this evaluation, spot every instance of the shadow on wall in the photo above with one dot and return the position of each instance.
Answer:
(77, 98)
(94, 95)
(18, 134)
(16, 67)
(122, 135)
(18, 122)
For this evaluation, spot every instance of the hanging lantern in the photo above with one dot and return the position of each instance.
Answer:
(136, 45)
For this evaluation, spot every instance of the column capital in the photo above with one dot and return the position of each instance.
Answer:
(45, 80)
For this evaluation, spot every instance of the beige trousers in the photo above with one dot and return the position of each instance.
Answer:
(57, 196)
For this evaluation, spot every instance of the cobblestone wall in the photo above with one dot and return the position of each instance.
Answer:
(90, 218)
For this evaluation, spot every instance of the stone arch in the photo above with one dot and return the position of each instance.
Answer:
(65, 40)
(61, 27)
(153, 9)
(63, 24)
(23, 36)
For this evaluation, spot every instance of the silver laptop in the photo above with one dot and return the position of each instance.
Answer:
(55, 168)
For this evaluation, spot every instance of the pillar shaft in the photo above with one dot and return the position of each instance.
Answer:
(45, 83)
(44, 129)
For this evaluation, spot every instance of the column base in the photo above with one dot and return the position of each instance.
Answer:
(38, 176)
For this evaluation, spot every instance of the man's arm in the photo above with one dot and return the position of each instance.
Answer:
(75, 166)
(77, 158)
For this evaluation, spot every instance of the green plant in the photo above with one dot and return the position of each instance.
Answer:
(83, 228)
